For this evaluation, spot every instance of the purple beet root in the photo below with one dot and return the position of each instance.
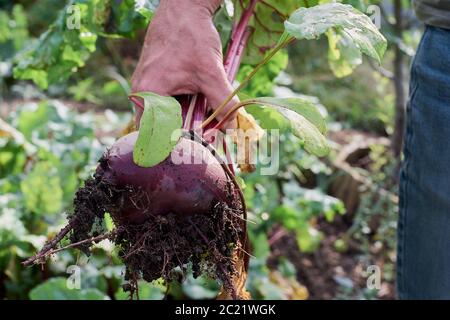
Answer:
(184, 210)
(190, 181)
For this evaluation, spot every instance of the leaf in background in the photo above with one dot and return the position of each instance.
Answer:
(56, 289)
(13, 32)
(267, 24)
(159, 122)
(146, 7)
(262, 82)
(52, 126)
(308, 238)
(343, 20)
(10, 134)
(289, 217)
(129, 16)
(260, 243)
(41, 189)
(200, 288)
(306, 121)
(223, 23)
(50, 132)
(4, 27)
(33, 117)
(261, 194)
(270, 290)
(13, 158)
(60, 51)
(11, 228)
(49, 59)
(287, 268)
(147, 291)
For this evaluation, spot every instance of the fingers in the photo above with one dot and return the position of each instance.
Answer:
(217, 88)
(145, 78)
(153, 77)
(148, 77)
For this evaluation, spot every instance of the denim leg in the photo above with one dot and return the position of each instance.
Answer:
(423, 260)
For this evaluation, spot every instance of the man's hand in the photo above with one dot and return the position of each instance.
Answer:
(182, 53)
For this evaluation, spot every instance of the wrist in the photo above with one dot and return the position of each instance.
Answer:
(210, 5)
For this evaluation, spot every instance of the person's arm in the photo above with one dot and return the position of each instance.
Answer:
(182, 53)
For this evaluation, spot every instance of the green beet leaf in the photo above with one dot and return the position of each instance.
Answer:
(343, 54)
(343, 20)
(305, 120)
(304, 107)
(159, 129)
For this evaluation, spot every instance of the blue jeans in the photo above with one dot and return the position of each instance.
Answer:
(423, 258)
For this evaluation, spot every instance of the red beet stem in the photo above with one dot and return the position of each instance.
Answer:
(234, 54)
(235, 64)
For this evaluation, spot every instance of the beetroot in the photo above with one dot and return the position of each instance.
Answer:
(168, 216)
(193, 187)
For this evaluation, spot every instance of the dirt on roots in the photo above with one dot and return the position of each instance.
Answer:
(155, 248)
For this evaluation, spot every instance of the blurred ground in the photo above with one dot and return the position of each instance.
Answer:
(327, 273)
